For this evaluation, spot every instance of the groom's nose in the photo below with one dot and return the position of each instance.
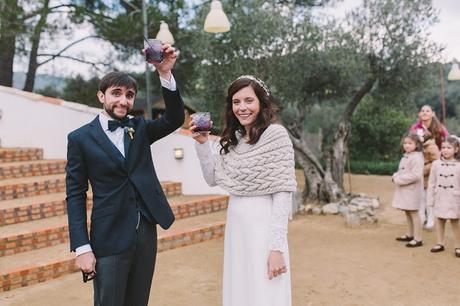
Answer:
(123, 100)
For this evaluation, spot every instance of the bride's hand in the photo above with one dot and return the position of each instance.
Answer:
(275, 264)
(200, 137)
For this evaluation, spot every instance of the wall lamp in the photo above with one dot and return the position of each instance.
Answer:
(178, 153)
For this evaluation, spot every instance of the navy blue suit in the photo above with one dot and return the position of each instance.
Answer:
(116, 181)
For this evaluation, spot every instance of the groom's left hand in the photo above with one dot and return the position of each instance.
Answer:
(169, 59)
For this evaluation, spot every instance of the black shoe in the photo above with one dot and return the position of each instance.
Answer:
(437, 248)
(404, 238)
(457, 252)
(414, 243)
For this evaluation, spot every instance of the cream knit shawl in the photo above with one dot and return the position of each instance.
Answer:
(263, 168)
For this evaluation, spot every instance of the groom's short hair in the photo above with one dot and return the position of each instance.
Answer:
(117, 79)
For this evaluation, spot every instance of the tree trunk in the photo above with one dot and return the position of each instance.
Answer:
(33, 65)
(326, 185)
(337, 155)
(318, 184)
(8, 32)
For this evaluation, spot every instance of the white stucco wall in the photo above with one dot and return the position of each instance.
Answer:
(30, 120)
(38, 124)
(186, 170)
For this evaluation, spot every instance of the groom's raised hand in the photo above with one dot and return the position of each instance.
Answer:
(169, 59)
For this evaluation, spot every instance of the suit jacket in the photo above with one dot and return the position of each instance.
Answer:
(91, 156)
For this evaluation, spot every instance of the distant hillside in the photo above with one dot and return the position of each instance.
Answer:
(41, 81)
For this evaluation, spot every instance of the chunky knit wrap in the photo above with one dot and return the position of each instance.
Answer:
(263, 168)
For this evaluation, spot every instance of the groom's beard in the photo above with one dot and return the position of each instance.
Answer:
(111, 112)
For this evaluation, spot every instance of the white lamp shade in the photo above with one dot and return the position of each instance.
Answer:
(216, 20)
(454, 73)
(164, 35)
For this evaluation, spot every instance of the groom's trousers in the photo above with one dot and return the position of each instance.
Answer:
(125, 279)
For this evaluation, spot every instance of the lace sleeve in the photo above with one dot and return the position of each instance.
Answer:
(205, 155)
(282, 205)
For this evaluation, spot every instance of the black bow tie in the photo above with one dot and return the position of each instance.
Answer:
(115, 124)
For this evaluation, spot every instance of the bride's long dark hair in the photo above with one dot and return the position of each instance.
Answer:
(265, 117)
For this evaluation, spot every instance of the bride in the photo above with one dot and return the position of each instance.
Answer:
(254, 162)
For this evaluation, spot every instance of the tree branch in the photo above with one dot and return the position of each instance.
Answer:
(53, 8)
(358, 96)
(300, 145)
(53, 56)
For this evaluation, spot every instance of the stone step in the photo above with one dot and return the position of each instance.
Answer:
(31, 168)
(46, 184)
(50, 205)
(8, 155)
(39, 265)
(27, 236)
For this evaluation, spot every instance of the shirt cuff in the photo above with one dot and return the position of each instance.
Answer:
(169, 84)
(82, 250)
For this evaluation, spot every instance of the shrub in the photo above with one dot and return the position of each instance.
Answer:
(373, 167)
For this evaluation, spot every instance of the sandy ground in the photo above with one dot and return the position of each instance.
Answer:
(331, 264)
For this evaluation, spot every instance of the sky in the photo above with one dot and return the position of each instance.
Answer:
(446, 33)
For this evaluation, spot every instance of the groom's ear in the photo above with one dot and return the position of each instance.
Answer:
(100, 95)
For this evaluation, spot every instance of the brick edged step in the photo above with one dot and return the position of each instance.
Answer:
(39, 185)
(50, 205)
(31, 168)
(23, 237)
(24, 269)
(8, 155)
(34, 208)
(31, 186)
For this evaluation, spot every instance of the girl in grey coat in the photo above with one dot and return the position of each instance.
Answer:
(409, 188)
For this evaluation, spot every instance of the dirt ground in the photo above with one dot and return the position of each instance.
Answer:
(331, 264)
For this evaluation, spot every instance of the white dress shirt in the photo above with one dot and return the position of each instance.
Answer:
(116, 137)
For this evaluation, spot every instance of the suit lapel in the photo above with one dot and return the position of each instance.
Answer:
(131, 142)
(104, 142)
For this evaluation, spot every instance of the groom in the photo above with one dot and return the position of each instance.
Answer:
(113, 153)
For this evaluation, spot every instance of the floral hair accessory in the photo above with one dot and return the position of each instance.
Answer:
(257, 80)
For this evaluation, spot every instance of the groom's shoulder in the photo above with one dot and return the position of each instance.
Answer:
(84, 129)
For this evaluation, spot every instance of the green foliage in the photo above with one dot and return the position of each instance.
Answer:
(50, 91)
(73, 91)
(377, 129)
(288, 51)
(374, 167)
(83, 91)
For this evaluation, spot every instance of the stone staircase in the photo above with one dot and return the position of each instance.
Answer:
(33, 222)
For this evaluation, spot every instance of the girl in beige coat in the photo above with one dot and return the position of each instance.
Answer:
(443, 193)
(409, 188)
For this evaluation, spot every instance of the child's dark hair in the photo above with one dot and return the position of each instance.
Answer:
(415, 138)
(117, 79)
(454, 142)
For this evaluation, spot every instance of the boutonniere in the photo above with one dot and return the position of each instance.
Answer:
(130, 131)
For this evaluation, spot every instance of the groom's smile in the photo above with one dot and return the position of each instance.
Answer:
(117, 101)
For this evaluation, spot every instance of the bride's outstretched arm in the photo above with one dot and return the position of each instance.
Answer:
(205, 155)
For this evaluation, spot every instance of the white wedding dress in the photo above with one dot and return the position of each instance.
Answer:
(255, 225)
